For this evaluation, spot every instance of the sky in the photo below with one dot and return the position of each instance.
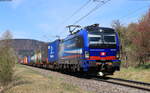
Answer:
(45, 19)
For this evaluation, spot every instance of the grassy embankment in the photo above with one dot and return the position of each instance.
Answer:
(141, 73)
(29, 81)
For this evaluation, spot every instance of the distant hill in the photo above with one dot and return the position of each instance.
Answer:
(27, 47)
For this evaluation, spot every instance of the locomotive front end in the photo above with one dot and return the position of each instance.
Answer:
(102, 53)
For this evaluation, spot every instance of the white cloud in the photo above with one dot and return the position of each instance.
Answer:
(16, 3)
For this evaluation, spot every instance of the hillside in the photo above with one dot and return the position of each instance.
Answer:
(24, 47)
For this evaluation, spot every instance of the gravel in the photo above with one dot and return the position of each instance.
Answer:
(90, 85)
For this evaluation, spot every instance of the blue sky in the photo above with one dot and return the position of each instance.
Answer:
(44, 19)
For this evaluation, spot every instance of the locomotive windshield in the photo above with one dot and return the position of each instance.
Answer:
(109, 39)
(102, 36)
(94, 38)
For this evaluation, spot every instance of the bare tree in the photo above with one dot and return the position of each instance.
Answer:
(116, 24)
(7, 59)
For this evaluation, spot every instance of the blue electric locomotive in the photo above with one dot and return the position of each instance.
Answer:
(92, 49)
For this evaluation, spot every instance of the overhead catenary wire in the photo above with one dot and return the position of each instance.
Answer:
(74, 13)
(101, 3)
(77, 11)
(94, 9)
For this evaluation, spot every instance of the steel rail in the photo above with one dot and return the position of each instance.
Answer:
(131, 81)
(127, 83)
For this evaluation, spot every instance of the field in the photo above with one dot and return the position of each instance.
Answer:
(29, 81)
(141, 73)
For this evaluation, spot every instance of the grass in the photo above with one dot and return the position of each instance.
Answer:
(140, 73)
(29, 81)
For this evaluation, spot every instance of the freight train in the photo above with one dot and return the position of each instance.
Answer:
(92, 49)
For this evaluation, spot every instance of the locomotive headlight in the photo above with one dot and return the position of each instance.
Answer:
(118, 55)
(87, 55)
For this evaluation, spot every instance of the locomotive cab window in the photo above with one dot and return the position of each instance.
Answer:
(95, 37)
(102, 36)
(109, 39)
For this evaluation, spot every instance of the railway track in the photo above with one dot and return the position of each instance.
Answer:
(127, 83)
(117, 81)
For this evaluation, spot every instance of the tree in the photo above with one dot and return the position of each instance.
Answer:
(142, 39)
(116, 24)
(135, 40)
(7, 59)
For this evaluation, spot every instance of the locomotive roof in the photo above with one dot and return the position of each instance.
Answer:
(98, 28)
(90, 29)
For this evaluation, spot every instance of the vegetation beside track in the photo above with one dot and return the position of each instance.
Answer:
(141, 73)
(7, 60)
(29, 81)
